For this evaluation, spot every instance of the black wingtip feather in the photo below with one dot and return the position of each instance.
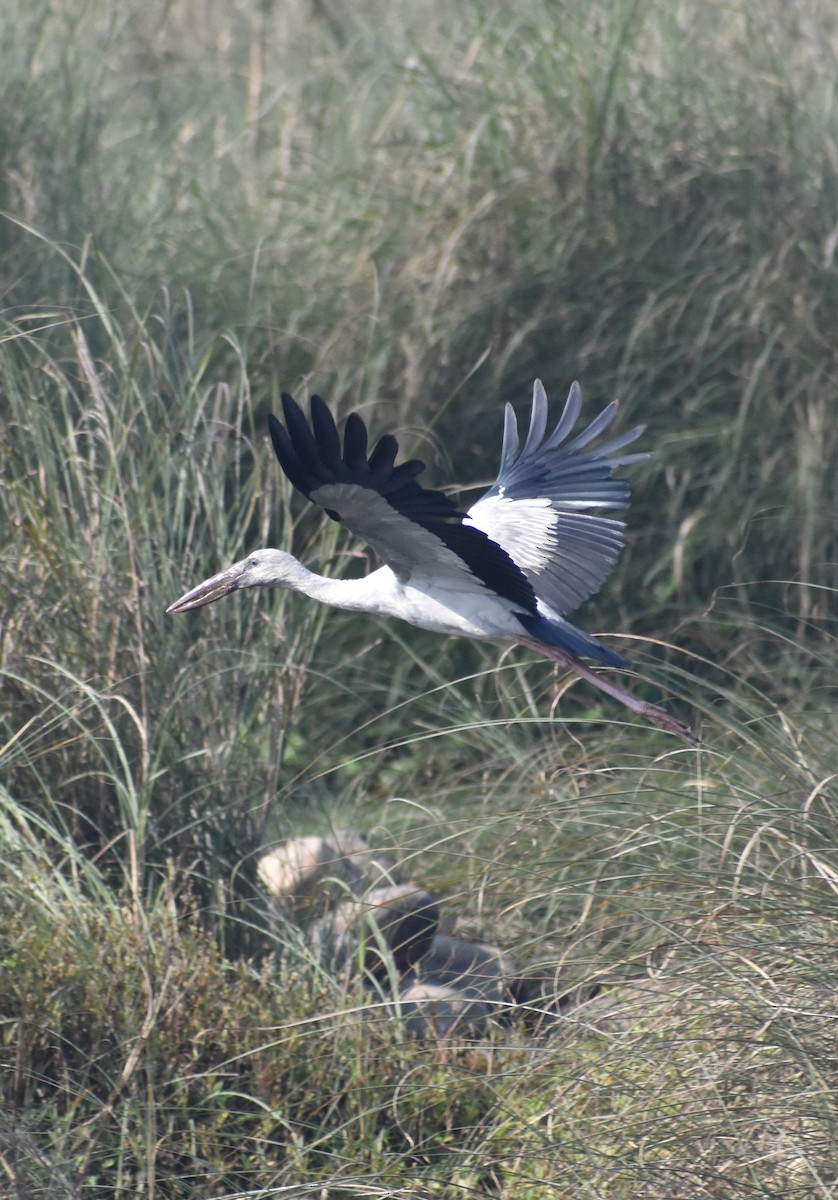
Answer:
(384, 454)
(302, 439)
(326, 434)
(286, 454)
(355, 443)
(311, 457)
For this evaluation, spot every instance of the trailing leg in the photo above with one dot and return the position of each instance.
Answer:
(650, 712)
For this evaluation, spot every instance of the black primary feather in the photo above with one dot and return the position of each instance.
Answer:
(312, 459)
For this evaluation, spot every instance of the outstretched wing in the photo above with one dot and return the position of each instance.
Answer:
(538, 507)
(415, 531)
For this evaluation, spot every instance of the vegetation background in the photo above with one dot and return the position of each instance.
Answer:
(415, 209)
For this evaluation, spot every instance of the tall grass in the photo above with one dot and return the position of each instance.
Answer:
(453, 204)
(698, 892)
(414, 211)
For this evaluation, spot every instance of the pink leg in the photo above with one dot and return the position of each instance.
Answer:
(651, 712)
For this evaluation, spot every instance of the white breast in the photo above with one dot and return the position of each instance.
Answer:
(473, 612)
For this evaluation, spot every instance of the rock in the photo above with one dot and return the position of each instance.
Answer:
(475, 970)
(375, 868)
(295, 867)
(394, 922)
(301, 867)
(431, 1009)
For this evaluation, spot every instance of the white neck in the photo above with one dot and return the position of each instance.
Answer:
(454, 604)
(360, 595)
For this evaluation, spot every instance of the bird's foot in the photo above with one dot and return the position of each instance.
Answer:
(664, 720)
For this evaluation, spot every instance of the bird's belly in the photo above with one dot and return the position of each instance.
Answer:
(461, 614)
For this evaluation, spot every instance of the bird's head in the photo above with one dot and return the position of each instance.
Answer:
(262, 568)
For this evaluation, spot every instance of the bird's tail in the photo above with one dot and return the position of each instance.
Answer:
(555, 631)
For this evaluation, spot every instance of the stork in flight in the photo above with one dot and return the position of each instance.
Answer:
(509, 570)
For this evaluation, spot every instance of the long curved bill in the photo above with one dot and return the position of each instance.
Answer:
(210, 590)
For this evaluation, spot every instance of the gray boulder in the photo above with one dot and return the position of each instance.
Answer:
(395, 925)
(307, 873)
(434, 1010)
